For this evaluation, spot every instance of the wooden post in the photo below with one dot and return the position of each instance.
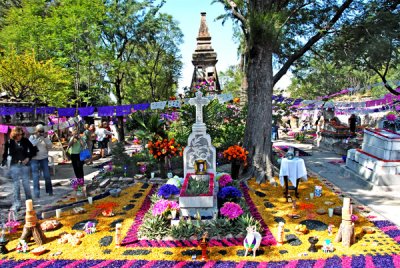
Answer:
(346, 229)
(32, 226)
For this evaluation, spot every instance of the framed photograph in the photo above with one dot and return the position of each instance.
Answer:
(200, 167)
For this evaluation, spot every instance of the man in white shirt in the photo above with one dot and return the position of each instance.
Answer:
(40, 160)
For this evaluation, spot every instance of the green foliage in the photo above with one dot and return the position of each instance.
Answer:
(225, 123)
(247, 220)
(231, 80)
(300, 136)
(185, 230)
(220, 227)
(24, 78)
(154, 227)
(121, 159)
(197, 187)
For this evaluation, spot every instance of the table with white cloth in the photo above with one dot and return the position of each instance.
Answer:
(293, 170)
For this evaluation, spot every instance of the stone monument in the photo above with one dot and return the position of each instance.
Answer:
(378, 162)
(204, 58)
(199, 149)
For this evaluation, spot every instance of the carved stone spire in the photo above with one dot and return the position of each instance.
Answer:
(204, 57)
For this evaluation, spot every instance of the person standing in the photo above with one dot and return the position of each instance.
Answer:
(102, 139)
(20, 149)
(90, 137)
(41, 160)
(76, 145)
(352, 123)
(107, 126)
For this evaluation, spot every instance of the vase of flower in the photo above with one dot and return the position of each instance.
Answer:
(237, 155)
(235, 169)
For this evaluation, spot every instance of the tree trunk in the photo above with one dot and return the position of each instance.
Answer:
(120, 127)
(257, 139)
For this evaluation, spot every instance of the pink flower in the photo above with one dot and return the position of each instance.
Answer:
(224, 180)
(162, 206)
(231, 210)
(391, 117)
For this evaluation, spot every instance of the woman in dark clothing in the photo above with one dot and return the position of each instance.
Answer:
(352, 123)
(21, 151)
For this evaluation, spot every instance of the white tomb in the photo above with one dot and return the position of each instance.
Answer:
(378, 162)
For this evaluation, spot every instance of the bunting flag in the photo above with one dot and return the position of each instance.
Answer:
(45, 110)
(222, 98)
(3, 129)
(105, 110)
(158, 105)
(141, 106)
(86, 111)
(66, 111)
(174, 103)
(123, 110)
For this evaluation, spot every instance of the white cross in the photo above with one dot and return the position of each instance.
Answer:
(199, 101)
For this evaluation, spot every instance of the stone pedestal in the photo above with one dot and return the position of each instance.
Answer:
(378, 162)
(205, 204)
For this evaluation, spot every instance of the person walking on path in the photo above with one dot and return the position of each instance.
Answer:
(102, 138)
(21, 150)
(90, 137)
(76, 145)
(41, 160)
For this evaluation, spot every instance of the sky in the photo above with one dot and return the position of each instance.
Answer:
(187, 14)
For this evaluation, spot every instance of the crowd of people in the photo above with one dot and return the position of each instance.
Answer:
(28, 158)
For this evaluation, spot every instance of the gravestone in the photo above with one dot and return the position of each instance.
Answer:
(199, 148)
(199, 142)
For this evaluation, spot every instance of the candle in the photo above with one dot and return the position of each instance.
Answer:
(90, 200)
(58, 213)
(29, 205)
(118, 231)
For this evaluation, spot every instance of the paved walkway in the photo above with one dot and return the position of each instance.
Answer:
(61, 186)
(325, 164)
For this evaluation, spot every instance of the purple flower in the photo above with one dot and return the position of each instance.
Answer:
(143, 169)
(229, 192)
(231, 210)
(167, 190)
(224, 180)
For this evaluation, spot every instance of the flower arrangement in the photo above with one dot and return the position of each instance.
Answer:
(204, 86)
(77, 184)
(229, 193)
(391, 116)
(162, 206)
(236, 153)
(231, 210)
(164, 148)
(167, 190)
(224, 180)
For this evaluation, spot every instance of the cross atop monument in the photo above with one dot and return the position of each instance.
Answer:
(199, 102)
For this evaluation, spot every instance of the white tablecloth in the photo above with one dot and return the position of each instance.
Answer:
(294, 169)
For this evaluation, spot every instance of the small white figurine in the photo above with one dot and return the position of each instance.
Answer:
(252, 240)
(281, 232)
(22, 246)
(327, 246)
